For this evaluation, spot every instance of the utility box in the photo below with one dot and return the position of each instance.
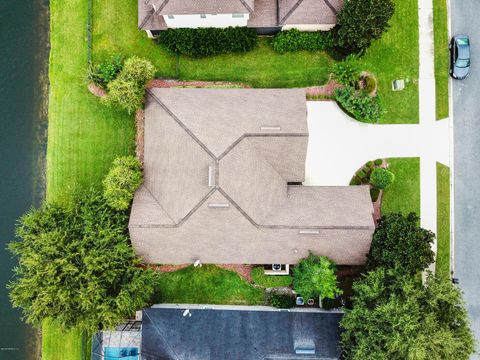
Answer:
(398, 85)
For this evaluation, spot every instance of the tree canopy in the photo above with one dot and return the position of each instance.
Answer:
(398, 317)
(315, 276)
(399, 242)
(360, 22)
(76, 265)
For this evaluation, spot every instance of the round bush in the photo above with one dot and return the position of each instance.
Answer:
(378, 162)
(122, 181)
(381, 178)
(282, 301)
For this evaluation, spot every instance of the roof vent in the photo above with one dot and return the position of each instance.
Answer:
(211, 177)
(270, 128)
(308, 232)
(219, 205)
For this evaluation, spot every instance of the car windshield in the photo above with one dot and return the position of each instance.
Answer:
(462, 63)
(462, 41)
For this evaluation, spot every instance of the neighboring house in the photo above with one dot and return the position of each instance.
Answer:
(266, 16)
(223, 173)
(238, 333)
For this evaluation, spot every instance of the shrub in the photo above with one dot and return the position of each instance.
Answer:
(360, 22)
(369, 83)
(315, 276)
(370, 164)
(208, 41)
(282, 301)
(101, 74)
(355, 181)
(360, 105)
(270, 281)
(295, 40)
(346, 72)
(127, 91)
(378, 162)
(76, 266)
(381, 178)
(361, 174)
(398, 242)
(121, 182)
(374, 193)
(397, 317)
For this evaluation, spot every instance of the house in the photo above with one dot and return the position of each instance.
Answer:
(266, 16)
(223, 170)
(171, 332)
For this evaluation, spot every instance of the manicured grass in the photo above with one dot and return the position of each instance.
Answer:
(440, 32)
(395, 56)
(404, 194)
(59, 345)
(442, 265)
(206, 285)
(83, 135)
(268, 281)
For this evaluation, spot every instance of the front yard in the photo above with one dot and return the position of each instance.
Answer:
(440, 32)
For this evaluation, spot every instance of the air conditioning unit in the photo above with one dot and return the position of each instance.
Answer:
(277, 267)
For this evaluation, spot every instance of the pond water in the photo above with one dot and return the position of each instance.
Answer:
(24, 48)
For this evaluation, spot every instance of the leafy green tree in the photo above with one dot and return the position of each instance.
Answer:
(121, 182)
(315, 276)
(398, 242)
(76, 266)
(381, 178)
(360, 22)
(396, 317)
(127, 90)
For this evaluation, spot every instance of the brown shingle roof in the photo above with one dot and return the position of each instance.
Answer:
(248, 214)
(298, 12)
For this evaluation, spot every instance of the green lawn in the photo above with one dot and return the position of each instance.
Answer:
(58, 345)
(206, 285)
(440, 32)
(443, 220)
(404, 194)
(395, 56)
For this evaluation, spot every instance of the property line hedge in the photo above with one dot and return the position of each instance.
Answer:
(295, 40)
(208, 41)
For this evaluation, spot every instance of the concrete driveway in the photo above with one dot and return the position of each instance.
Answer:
(339, 145)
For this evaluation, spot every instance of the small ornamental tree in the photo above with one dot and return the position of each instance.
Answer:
(315, 276)
(398, 242)
(127, 90)
(397, 317)
(381, 178)
(360, 22)
(121, 182)
(76, 265)
(106, 71)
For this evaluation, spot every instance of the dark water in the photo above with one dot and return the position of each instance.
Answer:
(24, 47)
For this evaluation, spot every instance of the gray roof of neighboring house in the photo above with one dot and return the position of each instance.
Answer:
(219, 334)
(297, 12)
(238, 149)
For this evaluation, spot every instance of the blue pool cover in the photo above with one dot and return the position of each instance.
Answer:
(124, 353)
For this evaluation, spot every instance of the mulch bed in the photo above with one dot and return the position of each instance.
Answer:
(244, 271)
(96, 90)
(169, 83)
(325, 91)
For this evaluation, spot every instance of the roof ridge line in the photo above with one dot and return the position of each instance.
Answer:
(182, 125)
(158, 203)
(331, 7)
(236, 206)
(196, 207)
(289, 13)
(244, 3)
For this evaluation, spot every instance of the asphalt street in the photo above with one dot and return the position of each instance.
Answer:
(465, 16)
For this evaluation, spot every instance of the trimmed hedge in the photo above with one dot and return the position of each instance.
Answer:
(295, 40)
(282, 301)
(208, 41)
(360, 105)
(381, 178)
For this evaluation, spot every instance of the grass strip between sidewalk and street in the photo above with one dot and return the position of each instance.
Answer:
(442, 265)
(440, 34)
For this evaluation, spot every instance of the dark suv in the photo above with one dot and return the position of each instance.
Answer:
(459, 57)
